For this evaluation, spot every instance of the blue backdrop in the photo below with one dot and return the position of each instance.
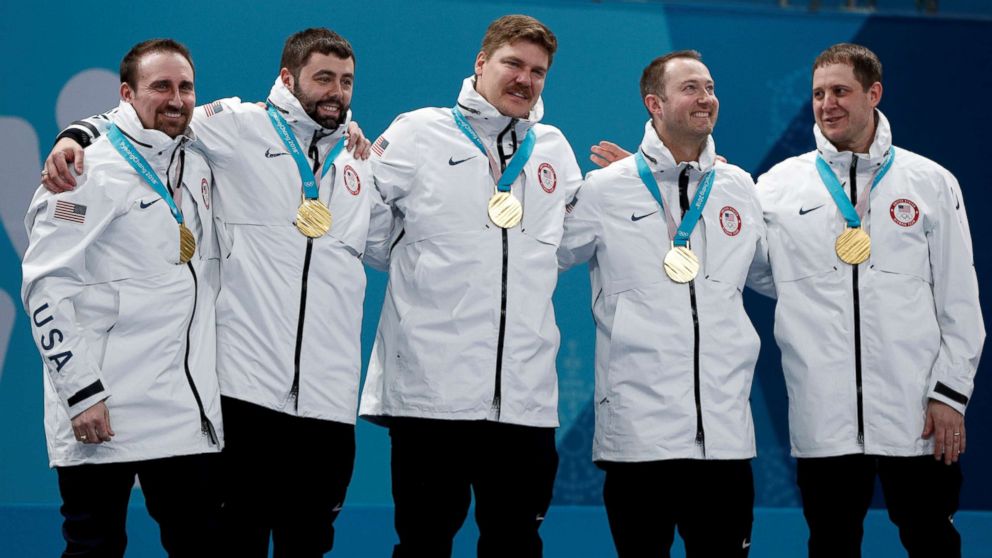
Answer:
(61, 64)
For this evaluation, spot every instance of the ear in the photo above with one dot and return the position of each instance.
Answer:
(875, 94)
(653, 103)
(287, 78)
(480, 60)
(127, 93)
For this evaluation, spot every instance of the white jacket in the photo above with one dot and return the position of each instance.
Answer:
(916, 301)
(113, 312)
(274, 350)
(442, 350)
(648, 370)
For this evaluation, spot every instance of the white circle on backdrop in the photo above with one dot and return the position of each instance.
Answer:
(92, 91)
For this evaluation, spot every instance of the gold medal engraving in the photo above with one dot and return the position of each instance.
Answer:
(681, 265)
(853, 246)
(187, 244)
(313, 218)
(505, 210)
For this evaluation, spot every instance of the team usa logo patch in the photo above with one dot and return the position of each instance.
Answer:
(730, 221)
(351, 181)
(205, 191)
(904, 212)
(547, 177)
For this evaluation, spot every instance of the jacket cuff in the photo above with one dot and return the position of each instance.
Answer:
(86, 398)
(80, 132)
(949, 396)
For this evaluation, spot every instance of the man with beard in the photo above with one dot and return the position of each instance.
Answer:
(295, 208)
(120, 280)
(675, 351)
(880, 335)
(463, 368)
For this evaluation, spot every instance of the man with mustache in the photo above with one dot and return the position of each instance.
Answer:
(878, 318)
(120, 279)
(296, 209)
(463, 368)
(670, 235)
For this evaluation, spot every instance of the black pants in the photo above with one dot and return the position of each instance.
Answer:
(286, 478)
(436, 464)
(710, 501)
(921, 494)
(181, 493)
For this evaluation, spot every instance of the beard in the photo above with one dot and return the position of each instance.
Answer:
(310, 106)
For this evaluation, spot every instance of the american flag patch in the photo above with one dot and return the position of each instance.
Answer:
(380, 145)
(213, 108)
(68, 211)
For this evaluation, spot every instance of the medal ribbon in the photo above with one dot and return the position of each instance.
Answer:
(679, 237)
(310, 186)
(851, 213)
(503, 179)
(141, 166)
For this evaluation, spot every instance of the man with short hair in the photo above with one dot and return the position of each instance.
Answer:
(463, 368)
(120, 279)
(296, 209)
(670, 235)
(878, 318)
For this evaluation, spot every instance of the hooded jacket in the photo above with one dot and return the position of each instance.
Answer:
(911, 311)
(289, 313)
(674, 362)
(467, 328)
(116, 316)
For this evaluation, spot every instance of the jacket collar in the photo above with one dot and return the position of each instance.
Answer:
(299, 121)
(485, 119)
(150, 142)
(659, 157)
(877, 151)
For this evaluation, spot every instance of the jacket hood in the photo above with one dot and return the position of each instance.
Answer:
(300, 122)
(877, 151)
(485, 119)
(659, 157)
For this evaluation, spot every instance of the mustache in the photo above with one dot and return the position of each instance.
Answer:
(522, 90)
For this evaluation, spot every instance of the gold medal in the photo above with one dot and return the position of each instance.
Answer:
(187, 244)
(313, 218)
(505, 210)
(853, 246)
(681, 265)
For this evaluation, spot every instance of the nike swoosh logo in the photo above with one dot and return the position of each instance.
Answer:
(805, 211)
(270, 155)
(636, 218)
(149, 204)
(453, 162)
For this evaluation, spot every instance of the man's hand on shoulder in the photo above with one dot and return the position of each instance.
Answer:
(57, 176)
(359, 146)
(605, 153)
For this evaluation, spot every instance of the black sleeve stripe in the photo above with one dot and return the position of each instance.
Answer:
(88, 391)
(76, 134)
(89, 126)
(950, 394)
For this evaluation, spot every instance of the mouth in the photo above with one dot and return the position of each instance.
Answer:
(329, 109)
(173, 114)
(832, 120)
(519, 94)
(701, 114)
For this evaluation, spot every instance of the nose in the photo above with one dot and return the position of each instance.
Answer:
(176, 99)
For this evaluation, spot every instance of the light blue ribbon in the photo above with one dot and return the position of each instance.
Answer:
(836, 189)
(695, 211)
(516, 163)
(141, 166)
(310, 188)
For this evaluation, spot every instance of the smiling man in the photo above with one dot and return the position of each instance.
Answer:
(878, 318)
(120, 279)
(670, 235)
(296, 209)
(463, 368)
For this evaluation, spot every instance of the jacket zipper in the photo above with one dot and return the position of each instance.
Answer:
(700, 433)
(294, 390)
(205, 426)
(857, 315)
(498, 388)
